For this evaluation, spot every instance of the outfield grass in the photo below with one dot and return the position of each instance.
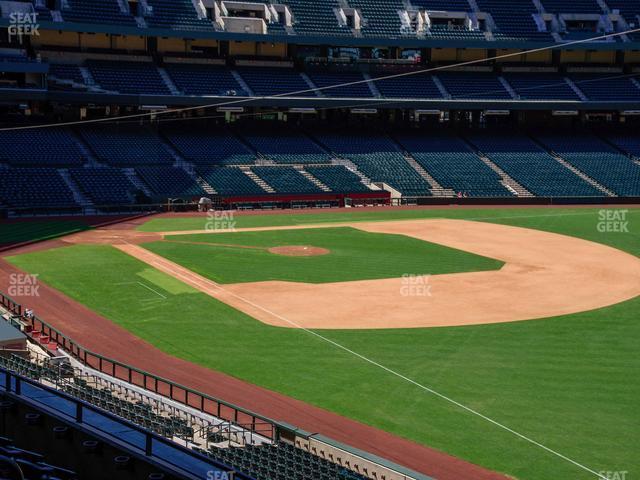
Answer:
(201, 222)
(569, 382)
(354, 255)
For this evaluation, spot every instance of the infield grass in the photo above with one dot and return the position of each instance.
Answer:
(571, 383)
(354, 255)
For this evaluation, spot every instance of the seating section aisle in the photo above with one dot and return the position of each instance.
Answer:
(104, 186)
(275, 81)
(598, 160)
(608, 88)
(420, 85)
(330, 79)
(231, 181)
(451, 162)
(532, 167)
(541, 86)
(377, 157)
(169, 182)
(286, 180)
(203, 79)
(338, 178)
(176, 15)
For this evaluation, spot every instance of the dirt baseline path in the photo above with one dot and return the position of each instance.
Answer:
(545, 275)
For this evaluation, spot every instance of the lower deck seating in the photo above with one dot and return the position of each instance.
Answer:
(598, 160)
(532, 167)
(34, 188)
(627, 142)
(104, 186)
(453, 165)
(377, 157)
(338, 178)
(168, 182)
(286, 180)
(231, 181)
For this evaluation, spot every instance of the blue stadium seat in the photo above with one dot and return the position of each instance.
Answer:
(34, 188)
(453, 165)
(595, 158)
(288, 148)
(473, 86)
(537, 86)
(96, 11)
(198, 79)
(329, 79)
(40, 147)
(286, 180)
(104, 186)
(169, 182)
(209, 146)
(338, 178)
(128, 77)
(532, 167)
(275, 81)
(126, 145)
(378, 158)
(230, 181)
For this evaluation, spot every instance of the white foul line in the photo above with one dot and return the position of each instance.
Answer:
(399, 375)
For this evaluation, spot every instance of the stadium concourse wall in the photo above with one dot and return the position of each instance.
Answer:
(324, 447)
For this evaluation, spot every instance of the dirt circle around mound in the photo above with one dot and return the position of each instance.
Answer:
(299, 251)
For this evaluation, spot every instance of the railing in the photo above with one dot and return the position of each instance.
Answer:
(148, 444)
(252, 422)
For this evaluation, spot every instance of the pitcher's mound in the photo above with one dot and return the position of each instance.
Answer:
(299, 251)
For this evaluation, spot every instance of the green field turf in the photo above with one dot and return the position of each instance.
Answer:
(354, 255)
(569, 382)
(202, 222)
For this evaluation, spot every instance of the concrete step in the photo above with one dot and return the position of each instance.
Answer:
(506, 180)
(437, 190)
(312, 179)
(168, 81)
(137, 181)
(205, 185)
(78, 195)
(242, 83)
(352, 167)
(575, 170)
(583, 176)
(261, 183)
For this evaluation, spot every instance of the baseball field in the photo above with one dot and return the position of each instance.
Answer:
(505, 337)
